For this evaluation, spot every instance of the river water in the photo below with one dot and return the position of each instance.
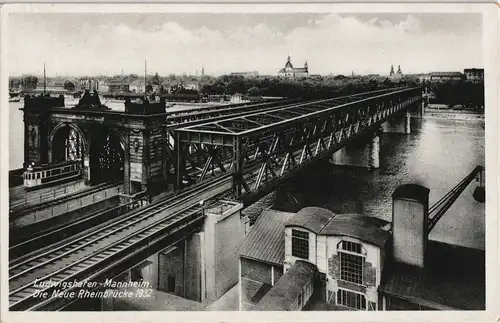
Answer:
(438, 154)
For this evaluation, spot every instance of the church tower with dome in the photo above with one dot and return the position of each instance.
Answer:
(293, 72)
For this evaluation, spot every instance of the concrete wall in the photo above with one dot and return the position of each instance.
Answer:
(409, 231)
(20, 198)
(38, 215)
(254, 276)
(223, 231)
(193, 267)
(229, 233)
(278, 272)
(257, 271)
(171, 270)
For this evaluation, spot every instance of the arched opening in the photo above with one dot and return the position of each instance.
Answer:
(107, 156)
(67, 144)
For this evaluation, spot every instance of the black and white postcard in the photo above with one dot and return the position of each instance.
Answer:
(238, 162)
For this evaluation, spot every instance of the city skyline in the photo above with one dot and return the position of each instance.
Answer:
(77, 44)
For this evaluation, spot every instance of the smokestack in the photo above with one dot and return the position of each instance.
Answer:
(410, 211)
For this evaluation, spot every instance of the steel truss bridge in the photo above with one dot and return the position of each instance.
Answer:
(263, 148)
(241, 152)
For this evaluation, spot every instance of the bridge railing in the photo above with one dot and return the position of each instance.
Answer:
(266, 147)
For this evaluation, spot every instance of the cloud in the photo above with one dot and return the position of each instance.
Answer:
(330, 43)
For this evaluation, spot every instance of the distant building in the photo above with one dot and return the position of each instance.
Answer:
(238, 98)
(52, 86)
(118, 87)
(103, 87)
(137, 86)
(191, 86)
(475, 75)
(246, 74)
(422, 77)
(90, 84)
(397, 75)
(446, 76)
(291, 72)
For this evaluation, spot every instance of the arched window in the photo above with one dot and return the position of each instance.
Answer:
(352, 257)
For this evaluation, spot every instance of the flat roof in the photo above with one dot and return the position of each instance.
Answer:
(453, 278)
(266, 239)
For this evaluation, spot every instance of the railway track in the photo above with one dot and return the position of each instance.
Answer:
(72, 260)
(84, 256)
(50, 238)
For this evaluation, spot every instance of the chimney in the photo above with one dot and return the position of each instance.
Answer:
(410, 208)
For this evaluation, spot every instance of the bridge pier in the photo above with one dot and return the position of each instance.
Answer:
(417, 111)
(398, 124)
(364, 153)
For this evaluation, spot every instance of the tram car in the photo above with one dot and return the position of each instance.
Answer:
(45, 175)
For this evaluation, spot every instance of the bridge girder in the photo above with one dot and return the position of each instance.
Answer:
(263, 149)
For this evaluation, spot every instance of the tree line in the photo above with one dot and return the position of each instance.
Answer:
(307, 88)
(457, 94)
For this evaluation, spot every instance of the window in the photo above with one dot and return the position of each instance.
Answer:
(351, 299)
(351, 262)
(300, 244)
(299, 300)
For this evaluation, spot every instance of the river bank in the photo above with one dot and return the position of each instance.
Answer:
(449, 114)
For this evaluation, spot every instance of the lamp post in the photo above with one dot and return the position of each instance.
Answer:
(202, 203)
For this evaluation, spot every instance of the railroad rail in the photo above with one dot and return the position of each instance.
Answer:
(93, 251)
(72, 260)
(56, 235)
(205, 113)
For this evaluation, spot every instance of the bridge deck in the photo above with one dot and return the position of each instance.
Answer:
(219, 132)
(285, 139)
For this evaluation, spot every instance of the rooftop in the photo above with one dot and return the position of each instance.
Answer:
(453, 278)
(294, 69)
(445, 74)
(325, 222)
(412, 191)
(288, 287)
(266, 241)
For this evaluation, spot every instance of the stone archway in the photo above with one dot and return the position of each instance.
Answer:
(66, 142)
(106, 156)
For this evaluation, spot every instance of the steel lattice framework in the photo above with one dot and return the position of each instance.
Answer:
(266, 147)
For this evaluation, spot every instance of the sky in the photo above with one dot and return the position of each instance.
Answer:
(77, 44)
